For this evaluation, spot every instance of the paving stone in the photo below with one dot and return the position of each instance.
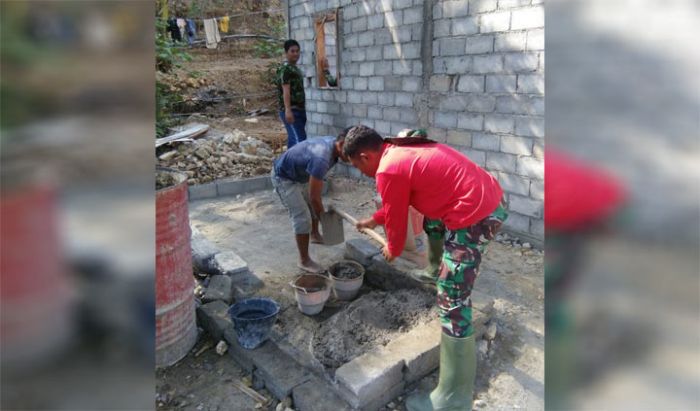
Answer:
(214, 318)
(219, 289)
(361, 250)
(419, 349)
(203, 251)
(367, 377)
(239, 354)
(316, 395)
(202, 191)
(385, 397)
(280, 372)
(229, 263)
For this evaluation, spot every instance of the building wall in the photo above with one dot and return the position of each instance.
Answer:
(471, 72)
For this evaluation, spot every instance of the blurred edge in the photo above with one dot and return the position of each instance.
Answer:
(77, 127)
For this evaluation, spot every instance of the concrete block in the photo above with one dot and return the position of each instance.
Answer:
(488, 64)
(479, 44)
(535, 40)
(447, 120)
(365, 39)
(440, 83)
(390, 276)
(510, 42)
(411, 50)
(481, 103)
(531, 167)
(354, 97)
(470, 84)
(481, 6)
(499, 123)
(517, 222)
(229, 263)
(408, 115)
(441, 28)
(500, 162)
(538, 149)
(375, 22)
(419, 349)
(478, 157)
(367, 377)
(413, 15)
(239, 354)
(452, 46)
(385, 397)
(393, 18)
(247, 185)
(465, 26)
(525, 206)
(494, 22)
(315, 395)
(453, 103)
(383, 36)
(392, 114)
(509, 4)
(516, 145)
(351, 40)
(367, 69)
(404, 99)
(458, 65)
(521, 62)
(536, 190)
(359, 24)
(531, 83)
(214, 319)
(219, 289)
(401, 68)
(515, 104)
(280, 372)
(374, 112)
(501, 83)
(203, 251)
(361, 250)
(469, 121)
(411, 84)
(514, 184)
(537, 228)
(487, 142)
(376, 83)
(528, 18)
(360, 83)
(374, 53)
(392, 52)
(396, 128)
(382, 127)
(369, 97)
(201, 191)
(459, 138)
(454, 8)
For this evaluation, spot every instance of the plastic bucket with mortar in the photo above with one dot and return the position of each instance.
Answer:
(253, 319)
(311, 292)
(347, 278)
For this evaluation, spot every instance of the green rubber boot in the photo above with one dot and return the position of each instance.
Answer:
(430, 274)
(457, 374)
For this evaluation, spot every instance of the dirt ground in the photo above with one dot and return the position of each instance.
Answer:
(256, 226)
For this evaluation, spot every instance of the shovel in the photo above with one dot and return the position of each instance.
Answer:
(332, 226)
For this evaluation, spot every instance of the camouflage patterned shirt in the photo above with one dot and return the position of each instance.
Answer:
(292, 75)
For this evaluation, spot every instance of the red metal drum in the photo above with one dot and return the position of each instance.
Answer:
(36, 297)
(176, 328)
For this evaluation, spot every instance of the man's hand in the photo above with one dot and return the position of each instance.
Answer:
(387, 255)
(289, 116)
(366, 223)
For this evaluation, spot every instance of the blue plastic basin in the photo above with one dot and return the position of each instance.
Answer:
(253, 319)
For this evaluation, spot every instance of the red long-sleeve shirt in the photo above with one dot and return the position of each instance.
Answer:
(438, 181)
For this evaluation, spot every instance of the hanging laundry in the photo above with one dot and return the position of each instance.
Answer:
(191, 31)
(212, 32)
(182, 25)
(173, 30)
(223, 24)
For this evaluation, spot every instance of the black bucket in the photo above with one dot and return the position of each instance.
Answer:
(253, 319)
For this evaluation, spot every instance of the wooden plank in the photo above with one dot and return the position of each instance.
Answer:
(196, 130)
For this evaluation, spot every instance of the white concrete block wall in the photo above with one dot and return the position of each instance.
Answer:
(482, 93)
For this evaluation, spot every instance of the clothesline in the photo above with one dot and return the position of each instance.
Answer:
(231, 15)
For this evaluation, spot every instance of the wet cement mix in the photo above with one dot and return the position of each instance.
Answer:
(346, 272)
(371, 321)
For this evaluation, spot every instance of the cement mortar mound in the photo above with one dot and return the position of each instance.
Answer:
(370, 321)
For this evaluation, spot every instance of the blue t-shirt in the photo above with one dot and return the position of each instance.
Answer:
(312, 157)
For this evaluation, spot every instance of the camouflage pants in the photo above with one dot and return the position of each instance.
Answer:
(460, 267)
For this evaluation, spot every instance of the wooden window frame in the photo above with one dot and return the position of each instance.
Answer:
(319, 22)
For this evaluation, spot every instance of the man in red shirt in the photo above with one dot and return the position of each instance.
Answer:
(463, 207)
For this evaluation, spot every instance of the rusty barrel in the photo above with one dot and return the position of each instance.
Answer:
(36, 297)
(176, 328)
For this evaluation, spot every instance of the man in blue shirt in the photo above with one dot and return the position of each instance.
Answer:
(297, 176)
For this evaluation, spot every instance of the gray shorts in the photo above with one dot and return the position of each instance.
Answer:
(294, 196)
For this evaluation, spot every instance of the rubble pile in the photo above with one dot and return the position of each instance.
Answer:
(219, 155)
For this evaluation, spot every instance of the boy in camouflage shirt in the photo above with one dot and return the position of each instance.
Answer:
(290, 87)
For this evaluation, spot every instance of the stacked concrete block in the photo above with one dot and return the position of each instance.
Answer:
(471, 72)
